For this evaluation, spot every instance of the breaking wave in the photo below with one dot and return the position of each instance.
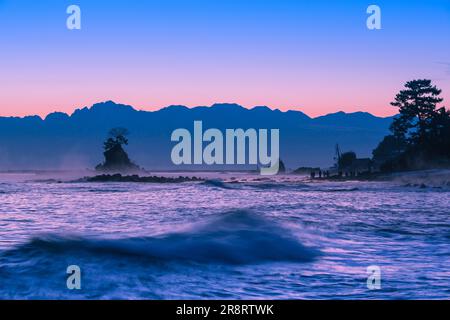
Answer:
(338, 190)
(217, 184)
(234, 238)
(254, 185)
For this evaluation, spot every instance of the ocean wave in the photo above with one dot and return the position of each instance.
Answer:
(338, 190)
(254, 185)
(217, 184)
(234, 238)
(296, 187)
(278, 185)
(99, 190)
(265, 185)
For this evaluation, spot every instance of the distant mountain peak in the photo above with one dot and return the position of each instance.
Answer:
(175, 107)
(56, 116)
(63, 141)
(227, 105)
(110, 104)
(106, 107)
(343, 114)
(263, 108)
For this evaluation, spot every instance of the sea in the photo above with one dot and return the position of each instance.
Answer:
(232, 236)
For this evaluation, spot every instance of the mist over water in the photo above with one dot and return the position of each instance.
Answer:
(232, 236)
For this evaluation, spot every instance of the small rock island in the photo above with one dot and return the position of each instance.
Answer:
(116, 159)
(118, 167)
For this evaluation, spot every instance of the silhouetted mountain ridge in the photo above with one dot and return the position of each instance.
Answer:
(61, 141)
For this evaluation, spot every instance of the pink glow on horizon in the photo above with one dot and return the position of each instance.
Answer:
(313, 104)
(309, 58)
(315, 93)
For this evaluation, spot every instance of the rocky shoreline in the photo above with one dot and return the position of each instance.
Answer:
(135, 178)
(416, 178)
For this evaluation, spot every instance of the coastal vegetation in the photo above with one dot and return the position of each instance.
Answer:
(419, 138)
(420, 134)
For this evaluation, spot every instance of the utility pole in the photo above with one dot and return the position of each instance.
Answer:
(337, 156)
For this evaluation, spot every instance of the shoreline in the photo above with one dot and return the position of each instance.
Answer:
(431, 177)
(416, 178)
(136, 178)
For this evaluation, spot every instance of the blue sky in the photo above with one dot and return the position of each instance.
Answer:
(315, 56)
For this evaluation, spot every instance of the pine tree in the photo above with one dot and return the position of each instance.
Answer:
(417, 106)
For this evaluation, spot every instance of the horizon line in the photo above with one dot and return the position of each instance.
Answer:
(191, 108)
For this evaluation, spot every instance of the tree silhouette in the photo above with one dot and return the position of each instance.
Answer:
(346, 159)
(420, 133)
(439, 137)
(116, 158)
(392, 146)
(417, 106)
(116, 136)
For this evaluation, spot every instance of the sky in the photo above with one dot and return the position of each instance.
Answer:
(316, 56)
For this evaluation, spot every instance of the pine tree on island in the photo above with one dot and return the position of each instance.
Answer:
(116, 158)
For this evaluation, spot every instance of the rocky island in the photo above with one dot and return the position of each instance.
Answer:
(116, 159)
(118, 167)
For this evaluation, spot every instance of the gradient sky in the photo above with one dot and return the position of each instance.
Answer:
(313, 56)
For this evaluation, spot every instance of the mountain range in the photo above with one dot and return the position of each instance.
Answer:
(62, 141)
